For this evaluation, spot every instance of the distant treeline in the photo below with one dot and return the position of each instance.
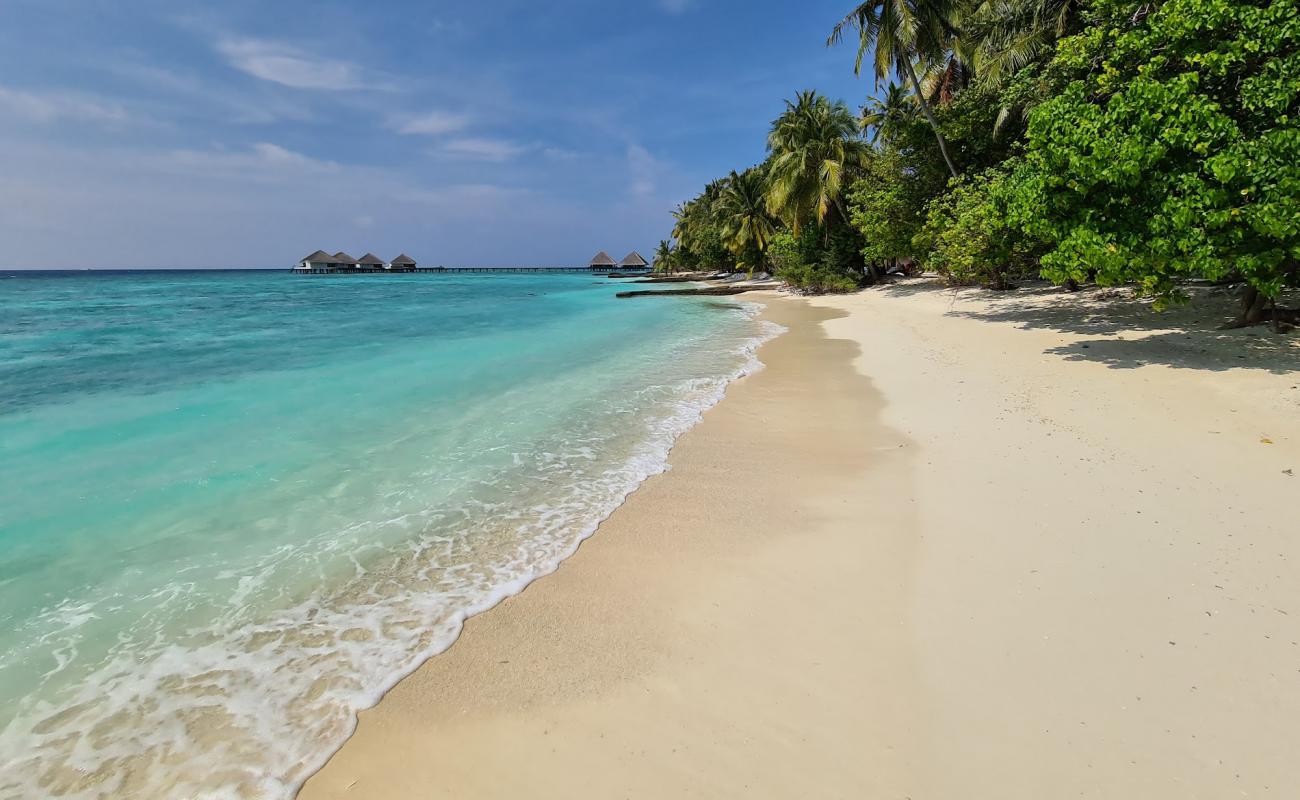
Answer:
(1113, 141)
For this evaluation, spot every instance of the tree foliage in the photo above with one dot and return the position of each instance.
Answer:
(1172, 149)
(1122, 141)
(747, 227)
(888, 210)
(968, 238)
(665, 257)
(814, 149)
(899, 34)
(799, 261)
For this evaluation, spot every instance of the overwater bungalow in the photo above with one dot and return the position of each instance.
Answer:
(317, 260)
(402, 263)
(601, 261)
(344, 261)
(633, 260)
(370, 261)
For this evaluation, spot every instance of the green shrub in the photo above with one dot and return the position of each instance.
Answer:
(818, 279)
(841, 252)
(968, 238)
(1172, 148)
(886, 211)
(784, 253)
(789, 259)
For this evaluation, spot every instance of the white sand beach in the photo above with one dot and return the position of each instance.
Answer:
(948, 544)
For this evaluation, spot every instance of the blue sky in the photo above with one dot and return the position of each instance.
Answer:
(177, 133)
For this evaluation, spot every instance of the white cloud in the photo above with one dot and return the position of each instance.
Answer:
(177, 208)
(262, 162)
(289, 66)
(434, 123)
(483, 149)
(275, 154)
(675, 6)
(179, 94)
(59, 106)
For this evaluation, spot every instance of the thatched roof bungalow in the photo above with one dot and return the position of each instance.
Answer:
(317, 260)
(601, 261)
(370, 261)
(344, 261)
(402, 263)
(633, 260)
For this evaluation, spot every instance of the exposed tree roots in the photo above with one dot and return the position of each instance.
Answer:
(1256, 309)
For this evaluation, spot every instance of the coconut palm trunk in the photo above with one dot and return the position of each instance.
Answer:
(929, 115)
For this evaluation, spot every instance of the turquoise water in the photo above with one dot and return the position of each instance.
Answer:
(236, 507)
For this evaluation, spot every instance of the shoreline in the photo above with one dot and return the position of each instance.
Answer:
(574, 436)
(504, 593)
(619, 582)
(1033, 552)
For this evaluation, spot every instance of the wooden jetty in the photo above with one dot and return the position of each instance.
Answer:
(363, 270)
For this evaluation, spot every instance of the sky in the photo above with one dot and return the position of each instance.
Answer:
(175, 133)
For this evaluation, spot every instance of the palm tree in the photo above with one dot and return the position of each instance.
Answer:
(664, 256)
(682, 225)
(883, 115)
(695, 215)
(813, 145)
(1010, 34)
(742, 207)
(902, 33)
(943, 77)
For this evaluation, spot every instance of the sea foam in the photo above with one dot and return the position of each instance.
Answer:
(247, 694)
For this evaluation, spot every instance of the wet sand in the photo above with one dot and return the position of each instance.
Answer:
(1005, 565)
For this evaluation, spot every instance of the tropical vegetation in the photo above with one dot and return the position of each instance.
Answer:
(1110, 141)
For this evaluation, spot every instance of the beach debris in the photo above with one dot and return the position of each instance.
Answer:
(1265, 440)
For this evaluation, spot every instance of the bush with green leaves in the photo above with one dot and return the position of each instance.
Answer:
(819, 279)
(706, 251)
(1172, 149)
(783, 253)
(842, 252)
(886, 209)
(806, 262)
(968, 238)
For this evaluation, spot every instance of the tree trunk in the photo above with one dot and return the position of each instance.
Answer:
(1257, 308)
(1253, 305)
(929, 115)
(833, 215)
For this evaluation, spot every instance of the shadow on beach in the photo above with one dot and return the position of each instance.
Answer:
(1123, 332)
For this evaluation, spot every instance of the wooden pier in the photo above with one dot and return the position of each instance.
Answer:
(363, 271)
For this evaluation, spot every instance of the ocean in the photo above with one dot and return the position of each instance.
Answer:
(237, 507)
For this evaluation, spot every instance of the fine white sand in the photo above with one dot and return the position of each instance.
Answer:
(947, 545)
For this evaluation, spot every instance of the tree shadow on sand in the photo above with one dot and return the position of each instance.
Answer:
(1123, 332)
